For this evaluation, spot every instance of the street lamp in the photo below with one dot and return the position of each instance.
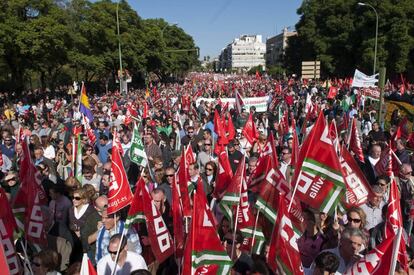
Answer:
(376, 32)
(121, 78)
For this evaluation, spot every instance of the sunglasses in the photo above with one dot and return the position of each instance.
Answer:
(36, 264)
(169, 176)
(77, 198)
(207, 144)
(350, 220)
(209, 169)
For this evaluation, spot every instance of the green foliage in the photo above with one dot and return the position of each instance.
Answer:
(58, 41)
(276, 71)
(341, 34)
(255, 69)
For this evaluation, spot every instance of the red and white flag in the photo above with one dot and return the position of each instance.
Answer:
(119, 193)
(394, 225)
(230, 128)
(319, 179)
(219, 129)
(284, 257)
(249, 130)
(9, 261)
(224, 174)
(375, 262)
(183, 182)
(204, 253)
(89, 132)
(354, 142)
(87, 266)
(239, 102)
(28, 201)
(178, 220)
(116, 142)
(358, 189)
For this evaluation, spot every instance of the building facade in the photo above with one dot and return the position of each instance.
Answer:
(276, 46)
(243, 53)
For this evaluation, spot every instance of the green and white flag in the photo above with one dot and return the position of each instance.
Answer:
(137, 151)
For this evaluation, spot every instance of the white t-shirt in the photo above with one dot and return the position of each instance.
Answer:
(133, 262)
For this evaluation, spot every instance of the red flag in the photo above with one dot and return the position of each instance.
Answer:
(8, 261)
(295, 148)
(394, 225)
(250, 131)
(284, 252)
(239, 102)
(333, 91)
(224, 174)
(158, 234)
(145, 111)
(232, 194)
(230, 128)
(117, 143)
(183, 180)
(89, 131)
(319, 179)
(358, 189)
(29, 198)
(220, 129)
(189, 155)
(1, 159)
(246, 224)
(204, 250)
(119, 193)
(376, 262)
(354, 142)
(177, 215)
(383, 165)
(114, 107)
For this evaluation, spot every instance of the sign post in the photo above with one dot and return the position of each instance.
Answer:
(311, 69)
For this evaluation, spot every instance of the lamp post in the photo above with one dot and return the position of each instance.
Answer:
(121, 78)
(376, 32)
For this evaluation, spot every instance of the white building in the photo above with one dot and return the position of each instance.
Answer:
(243, 53)
(276, 46)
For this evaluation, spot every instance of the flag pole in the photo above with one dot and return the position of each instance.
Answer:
(294, 191)
(118, 250)
(254, 230)
(26, 257)
(396, 248)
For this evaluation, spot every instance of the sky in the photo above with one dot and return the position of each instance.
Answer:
(214, 24)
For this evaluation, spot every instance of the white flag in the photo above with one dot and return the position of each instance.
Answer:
(363, 80)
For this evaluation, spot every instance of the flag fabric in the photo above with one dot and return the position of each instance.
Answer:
(230, 128)
(354, 142)
(231, 196)
(284, 257)
(189, 155)
(84, 106)
(117, 142)
(375, 262)
(119, 193)
(382, 166)
(87, 266)
(145, 110)
(333, 91)
(114, 107)
(1, 159)
(178, 219)
(394, 223)
(136, 210)
(204, 252)
(224, 174)
(319, 180)
(249, 130)
(158, 235)
(183, 183)
(28, 201)
(8, 261)
(78, 160)
(239, 102)
(89, 132)
(254, 239)
(137, 152)
(220, 129)
(358, 189)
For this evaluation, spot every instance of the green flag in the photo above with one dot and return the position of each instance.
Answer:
(137, 151)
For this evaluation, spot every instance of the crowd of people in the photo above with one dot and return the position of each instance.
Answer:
(170, 118)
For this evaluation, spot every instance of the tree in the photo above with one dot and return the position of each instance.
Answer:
(341, 35)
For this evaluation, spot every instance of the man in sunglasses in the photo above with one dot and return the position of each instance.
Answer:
(128, 261)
